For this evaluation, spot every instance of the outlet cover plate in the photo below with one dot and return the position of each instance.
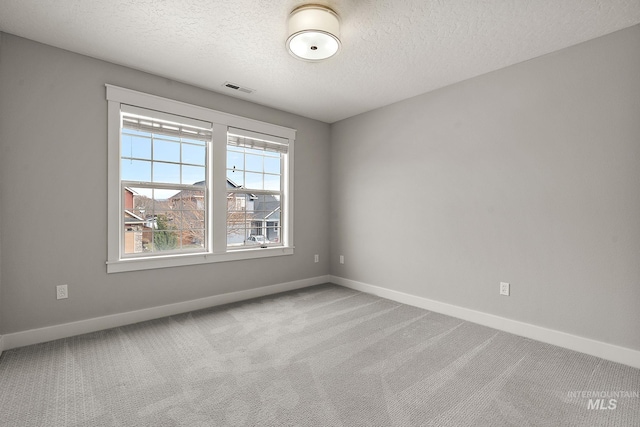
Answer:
(62, 292)
(504, 288)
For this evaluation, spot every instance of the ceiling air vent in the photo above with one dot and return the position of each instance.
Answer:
(237, 87)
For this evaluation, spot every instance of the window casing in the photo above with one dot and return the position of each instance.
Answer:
(189, 185)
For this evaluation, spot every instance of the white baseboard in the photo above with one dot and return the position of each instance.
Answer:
(600, 349)
(35, 336)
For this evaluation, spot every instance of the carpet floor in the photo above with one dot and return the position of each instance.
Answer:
(320, 356)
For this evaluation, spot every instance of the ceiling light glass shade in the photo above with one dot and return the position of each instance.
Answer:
(314, 33)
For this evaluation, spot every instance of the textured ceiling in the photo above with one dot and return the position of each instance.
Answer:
(391, 50)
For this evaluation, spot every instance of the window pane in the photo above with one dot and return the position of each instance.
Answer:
(136, 147)
(254, 163)
(268, 204)
(187, 199)
(133, 240)
(272, 165)
(165, 235)
(166, 172)
(236, 236)
(178, 220)
(194, 154)
(235, 160)
(137, 230)
(254, 180)
(273, 234)
(165, 150)
(253, 221)
(135, 170)
(192, 220)
(236, 202)
(236, 219)
(272, 182)
(194, 239)
(161, 196)
(151, 224)
(236, 177)
(193, 174)
(137, 200)
(188, 211)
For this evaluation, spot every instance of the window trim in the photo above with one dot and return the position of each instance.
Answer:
(222, 123)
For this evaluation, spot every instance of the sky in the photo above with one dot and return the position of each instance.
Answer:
(173, 160)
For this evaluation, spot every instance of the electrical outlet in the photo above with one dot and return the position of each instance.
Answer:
(504, 288)
(62, 292)
(316, 258)
(341, 259)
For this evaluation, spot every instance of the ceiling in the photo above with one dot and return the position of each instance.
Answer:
(391, 50)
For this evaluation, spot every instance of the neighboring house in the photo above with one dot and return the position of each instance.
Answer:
(140, 219)
(266, 219)
(251, 215)
(248, 215)
(188, 199)
(134, 225)
(187, 214)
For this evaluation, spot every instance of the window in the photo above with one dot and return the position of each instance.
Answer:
(255, 189)
(163, 183)
(190, 185)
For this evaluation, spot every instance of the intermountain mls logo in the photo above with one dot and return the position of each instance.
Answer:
(603, 400)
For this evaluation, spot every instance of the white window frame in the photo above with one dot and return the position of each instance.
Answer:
(216, 190)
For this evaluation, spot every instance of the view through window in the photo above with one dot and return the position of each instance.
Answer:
(255, 190)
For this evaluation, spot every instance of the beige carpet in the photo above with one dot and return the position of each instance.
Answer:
(321, 356)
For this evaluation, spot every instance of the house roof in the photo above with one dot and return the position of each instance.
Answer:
(267, 207)
(190, 194)
(131, 218)
(266, 204)
(197, 193)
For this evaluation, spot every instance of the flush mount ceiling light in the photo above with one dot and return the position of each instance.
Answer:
(314, 32)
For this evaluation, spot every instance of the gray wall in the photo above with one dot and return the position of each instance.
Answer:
(529, 175)
(53, 184)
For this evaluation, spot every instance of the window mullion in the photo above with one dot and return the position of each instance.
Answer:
(218, 188)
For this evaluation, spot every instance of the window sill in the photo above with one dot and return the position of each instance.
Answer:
(136, 264)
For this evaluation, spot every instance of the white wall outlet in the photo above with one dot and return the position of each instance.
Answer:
(504, 288)
(316, 258)
(341, 259)
(62, 292)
